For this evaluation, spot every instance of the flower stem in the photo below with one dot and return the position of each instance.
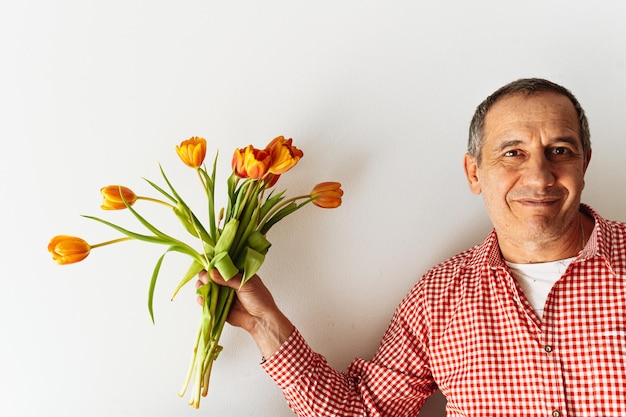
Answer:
(110, 242)
(206, 348)
(249, 191)
(154, 200)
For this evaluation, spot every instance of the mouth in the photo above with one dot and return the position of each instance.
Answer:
(541, 202)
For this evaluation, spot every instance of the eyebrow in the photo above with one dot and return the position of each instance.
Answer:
(507, 144)
(516, 142)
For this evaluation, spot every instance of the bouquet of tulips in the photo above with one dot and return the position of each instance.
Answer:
(232, 239)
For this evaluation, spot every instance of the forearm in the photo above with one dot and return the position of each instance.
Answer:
(311, 386)
(270, 332)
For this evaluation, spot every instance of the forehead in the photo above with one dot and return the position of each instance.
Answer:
(545, 114)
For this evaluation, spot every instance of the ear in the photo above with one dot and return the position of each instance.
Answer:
(471, 173)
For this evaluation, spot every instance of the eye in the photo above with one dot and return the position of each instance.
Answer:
(511, 153)
(559, 151)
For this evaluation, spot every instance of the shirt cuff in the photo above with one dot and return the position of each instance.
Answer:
(292, 360)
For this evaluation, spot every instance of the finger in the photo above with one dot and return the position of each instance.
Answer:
(199, 283)
(234, 282)
(203, 277)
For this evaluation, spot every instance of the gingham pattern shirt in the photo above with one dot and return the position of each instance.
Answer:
(467, 329)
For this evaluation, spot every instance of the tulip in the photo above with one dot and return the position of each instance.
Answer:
(68, 249)
(192, 151)
(250, 162)
(113, 194)
(284, 155)
(71, 249)
(327, 195)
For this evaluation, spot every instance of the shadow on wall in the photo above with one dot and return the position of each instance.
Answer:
(435, 406)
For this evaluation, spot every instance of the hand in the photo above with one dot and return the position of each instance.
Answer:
(254, 310)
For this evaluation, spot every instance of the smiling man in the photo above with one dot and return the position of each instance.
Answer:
(531, 322)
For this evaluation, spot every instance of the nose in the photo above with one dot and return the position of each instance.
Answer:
(539, 172)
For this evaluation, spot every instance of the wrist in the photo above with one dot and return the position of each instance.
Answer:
(270, 332)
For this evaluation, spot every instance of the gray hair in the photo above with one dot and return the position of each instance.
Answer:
(528, 87)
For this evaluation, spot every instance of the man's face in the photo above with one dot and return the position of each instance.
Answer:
(532, 170)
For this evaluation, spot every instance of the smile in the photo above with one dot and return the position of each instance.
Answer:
(537, 202)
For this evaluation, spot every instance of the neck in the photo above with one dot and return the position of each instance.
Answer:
(562, 247)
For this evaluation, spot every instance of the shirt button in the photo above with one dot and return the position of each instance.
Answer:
(548, 349)
(556, 413)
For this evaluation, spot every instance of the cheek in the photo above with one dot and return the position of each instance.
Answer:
(495, 188)
(574, 184)
(494, 200)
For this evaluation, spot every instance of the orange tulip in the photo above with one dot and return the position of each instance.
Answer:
(250, 162)
(284, 155)
(327, 195)
(68, 249)
(192, 151)
(113, 197)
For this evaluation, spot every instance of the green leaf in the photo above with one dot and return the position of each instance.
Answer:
(186, 250)
(191, 223)
(144, 238)
(231, 183)
(195, 267)
(167, 181)
(193, 270)
(157, 232)
(162, 191)
(258, 242)
(252, 263)
(209, 181)
(270, 202)
(246, 227)
(224, 264)
(227, 236)
(242, 197)
(153, 280)
(281, 214)
(208, 249)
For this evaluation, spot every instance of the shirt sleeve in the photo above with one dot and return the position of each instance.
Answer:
(394, 384)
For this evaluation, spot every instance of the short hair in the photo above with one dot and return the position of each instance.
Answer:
(527, 87)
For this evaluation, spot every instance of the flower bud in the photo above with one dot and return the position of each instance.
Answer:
(112, 195)
(327, 194)
(68, 249)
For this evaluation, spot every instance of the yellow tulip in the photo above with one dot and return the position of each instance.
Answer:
(284, 155)
(327, 194)
(68, 249)
(112, 195)
(192, 151)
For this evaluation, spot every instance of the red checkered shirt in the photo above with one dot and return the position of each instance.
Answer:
(467, 329)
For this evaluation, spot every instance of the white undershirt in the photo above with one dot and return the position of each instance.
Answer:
(536, 280)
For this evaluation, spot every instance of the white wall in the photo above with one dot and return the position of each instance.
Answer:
(378, 94)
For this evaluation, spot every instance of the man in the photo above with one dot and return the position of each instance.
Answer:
(532, 322)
